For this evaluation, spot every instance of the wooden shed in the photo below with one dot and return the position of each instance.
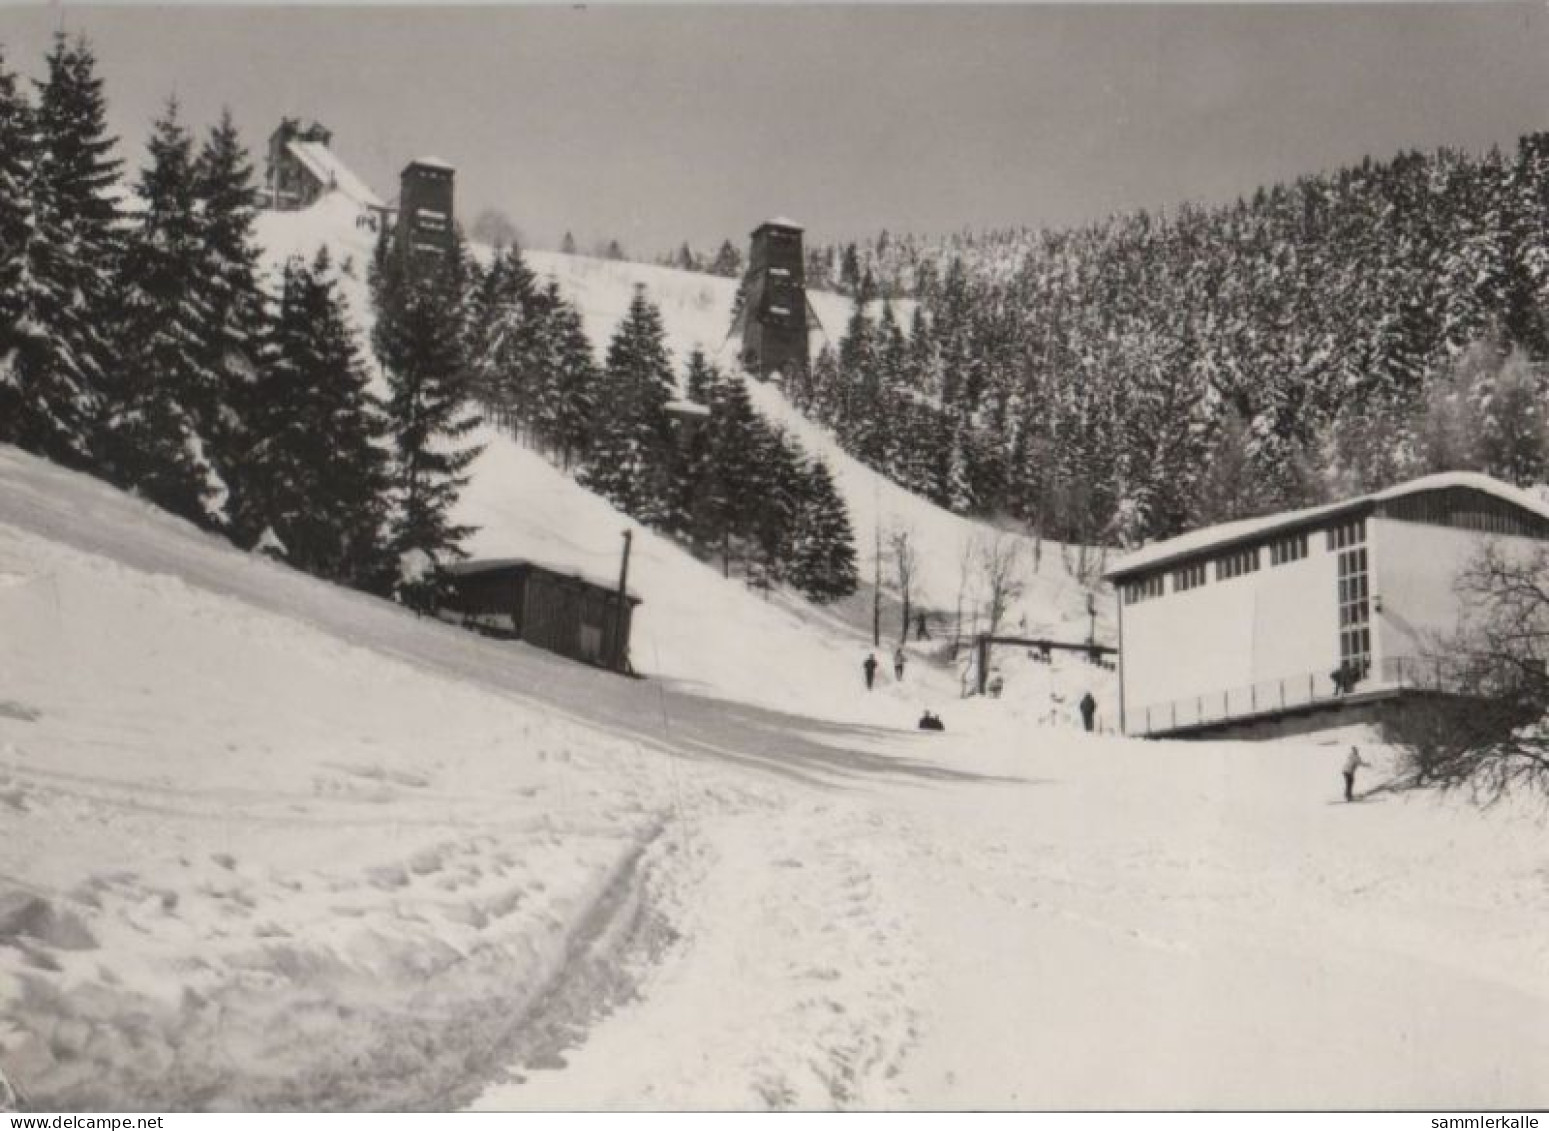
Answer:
(548, 607)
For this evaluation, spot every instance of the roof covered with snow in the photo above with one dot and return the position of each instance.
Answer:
(1248, 529)
(325, 165)
(433, 163)
(490, 565)
(780, 222)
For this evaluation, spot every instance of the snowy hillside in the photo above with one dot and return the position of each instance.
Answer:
(694, 625)
(273, 844)
(696, 310)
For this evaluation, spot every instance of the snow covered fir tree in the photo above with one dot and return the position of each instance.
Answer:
(315, 472)
(420, 338)
(59, 257)
(1036, 374)
(1086, 381)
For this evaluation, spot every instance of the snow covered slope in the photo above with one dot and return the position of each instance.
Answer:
(269, 843)
(242, 810)
(695, 625)
(696, 311)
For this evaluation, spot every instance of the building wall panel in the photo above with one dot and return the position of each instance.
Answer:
(1277, 622)
(1416, 569)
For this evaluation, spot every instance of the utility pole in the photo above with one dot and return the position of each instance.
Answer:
(620, 661)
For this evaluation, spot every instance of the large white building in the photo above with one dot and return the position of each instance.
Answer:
(1307, 618)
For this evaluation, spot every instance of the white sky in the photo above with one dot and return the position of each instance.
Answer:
(659, 124)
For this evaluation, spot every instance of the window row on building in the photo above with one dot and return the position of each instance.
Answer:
(1467, 510)
(1291, 548)
(1282, 551)
(1237, 563)
(1352, 533)
(1142, 590)
(1189, 577)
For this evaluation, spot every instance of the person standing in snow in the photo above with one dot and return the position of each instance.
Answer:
(1352, 764)
(919, 627)
(898, 662)
(870, 667)
(1088, 711)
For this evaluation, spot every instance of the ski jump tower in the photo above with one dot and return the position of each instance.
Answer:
(425, 218)
(774, 320)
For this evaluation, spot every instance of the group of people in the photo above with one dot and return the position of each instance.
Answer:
(995, 685)
(869, 666)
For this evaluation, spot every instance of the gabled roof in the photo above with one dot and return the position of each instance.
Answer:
(1251, 529)
(323, 164)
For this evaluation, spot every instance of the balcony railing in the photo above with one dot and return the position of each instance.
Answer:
(1289, 693)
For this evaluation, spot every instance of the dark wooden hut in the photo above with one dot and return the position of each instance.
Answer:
(550, 608)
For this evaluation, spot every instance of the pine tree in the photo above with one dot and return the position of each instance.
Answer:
(823, 547)
(166, 389)
(574, 407)
(820, 398)
(1514, 440)
(418, 337)
(1228, 489)
(631, 448)
(228, 284)
(42, 408)
(856, 408)
(701, 377)
(730, 504)
(18, 156)
(850, 271)
(692, 470)
(315, 474)
(507, 342)
(64, 295)
(728, 262)
(778, 497)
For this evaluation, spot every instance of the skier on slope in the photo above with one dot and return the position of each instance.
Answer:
(1352, 764)
(898, 662)
(1088, 711)
(870, 667)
